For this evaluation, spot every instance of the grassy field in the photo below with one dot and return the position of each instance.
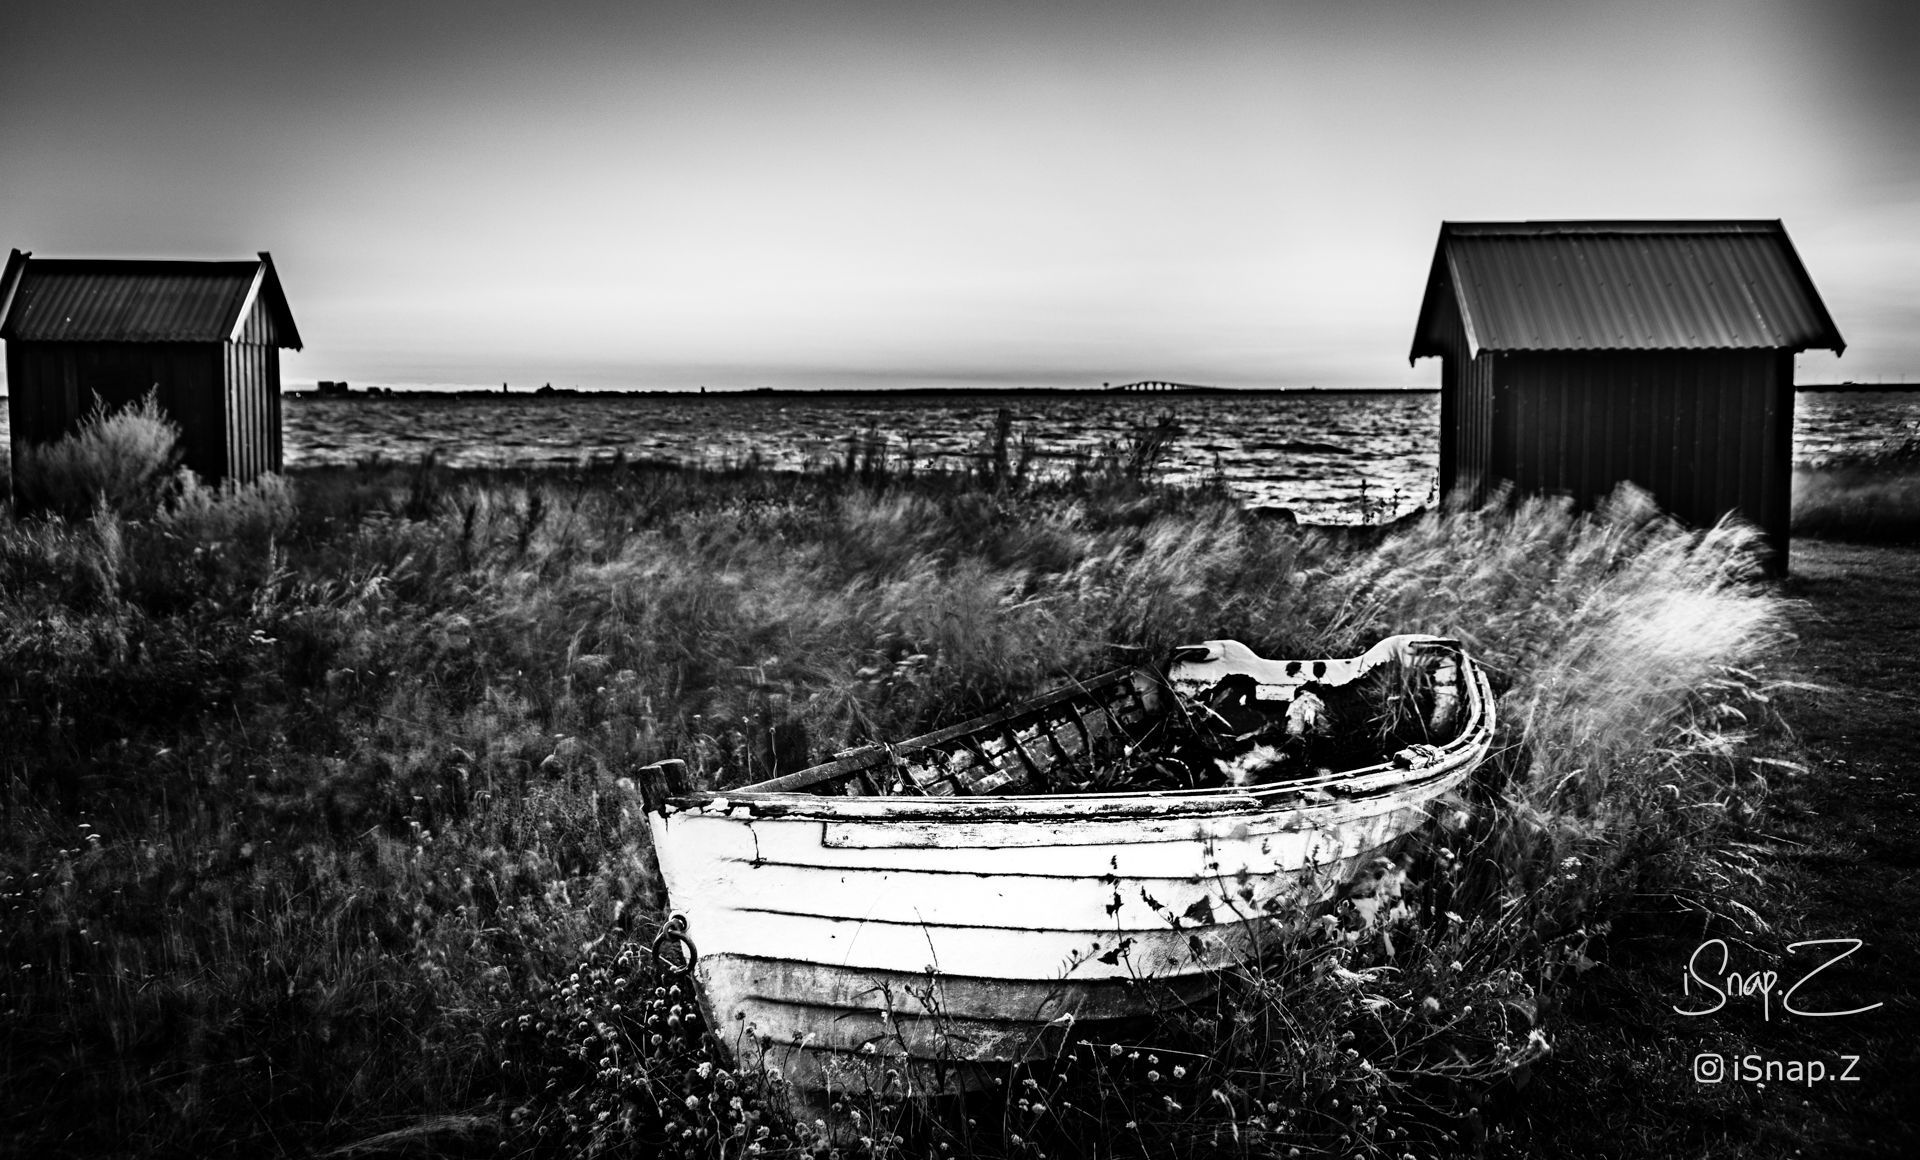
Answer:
(318, 836)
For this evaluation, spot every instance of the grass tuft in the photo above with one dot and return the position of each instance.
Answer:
(1873, 497)
(118, 459)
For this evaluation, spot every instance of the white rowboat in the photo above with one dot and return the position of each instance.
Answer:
(882, 903)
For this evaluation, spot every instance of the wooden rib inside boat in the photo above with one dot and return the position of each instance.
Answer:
(957, 897)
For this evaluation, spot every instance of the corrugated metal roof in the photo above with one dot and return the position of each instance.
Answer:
(78, 300)
(1546, 286)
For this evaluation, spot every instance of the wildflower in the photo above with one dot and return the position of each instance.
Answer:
(1179, 1072)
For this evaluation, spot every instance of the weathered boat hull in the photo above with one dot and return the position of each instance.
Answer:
(958, 930)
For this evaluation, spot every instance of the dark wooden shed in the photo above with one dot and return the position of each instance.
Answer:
(206, 336)
(1576, 355)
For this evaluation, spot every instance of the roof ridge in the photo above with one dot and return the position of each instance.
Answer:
(1624, 286)
(140, 299)
(1548, 226)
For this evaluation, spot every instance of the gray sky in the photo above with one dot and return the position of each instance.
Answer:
(806, 194)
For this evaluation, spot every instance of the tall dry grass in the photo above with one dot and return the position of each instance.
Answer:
(315, 787)
(1873, 496)
(120, 458)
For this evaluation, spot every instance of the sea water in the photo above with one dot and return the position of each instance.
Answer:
(1328, 455)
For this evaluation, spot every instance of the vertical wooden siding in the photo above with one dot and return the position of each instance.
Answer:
(1706, 432)
(52, 386)
(1466, 413)
(1777, 481)
(253, 398)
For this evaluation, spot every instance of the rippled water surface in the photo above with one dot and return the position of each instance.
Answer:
(1312, 451)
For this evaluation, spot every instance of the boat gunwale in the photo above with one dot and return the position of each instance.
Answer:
(1223, 801)
(1382, 780)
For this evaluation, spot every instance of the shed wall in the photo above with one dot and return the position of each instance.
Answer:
(1706, 433)
(252, 397)
(52, 386)
(1466, 413)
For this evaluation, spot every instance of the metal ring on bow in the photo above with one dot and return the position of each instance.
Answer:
(676, 930)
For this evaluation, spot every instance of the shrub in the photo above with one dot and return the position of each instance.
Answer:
(118, 459)
(251, 513)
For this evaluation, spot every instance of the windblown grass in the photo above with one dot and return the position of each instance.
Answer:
(312, 788)
(1872, 497)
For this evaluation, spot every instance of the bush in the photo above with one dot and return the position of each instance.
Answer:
(119, 459)
(250, 513)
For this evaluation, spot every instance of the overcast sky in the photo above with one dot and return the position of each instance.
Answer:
(808, 194)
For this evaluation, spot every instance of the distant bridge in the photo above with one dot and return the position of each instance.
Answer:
(1157, 385)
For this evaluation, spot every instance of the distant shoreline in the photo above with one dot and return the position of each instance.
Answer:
(378, 392)
(375, 391)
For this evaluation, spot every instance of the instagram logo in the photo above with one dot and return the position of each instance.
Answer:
(1709, 1068)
